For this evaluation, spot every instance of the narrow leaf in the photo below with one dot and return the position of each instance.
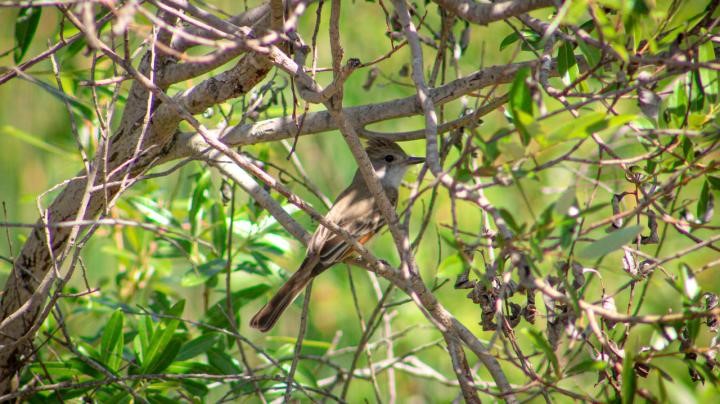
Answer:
(196, 347)
(25, 26)
(710, 78)
(567, 65)
(690, 285)
(705, 205)
(543, 345)
(610, 243)
(112, 341)
(629, 379)
(451, 266)
(161, 340)
(201, 273)
(521, 104)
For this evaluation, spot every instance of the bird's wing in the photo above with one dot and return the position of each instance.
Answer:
(358, 215)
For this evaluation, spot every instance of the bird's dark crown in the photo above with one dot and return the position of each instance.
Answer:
(378, 148)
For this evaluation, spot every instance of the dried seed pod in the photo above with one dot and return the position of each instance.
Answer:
(514, 317)
(711, 302)
(371, 76)
(629, 264)
(529, 313)
(642, 369)
(608, 303)
(578, 275)
(652, 225)
(618, 222)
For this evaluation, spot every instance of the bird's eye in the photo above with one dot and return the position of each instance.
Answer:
(389, 158)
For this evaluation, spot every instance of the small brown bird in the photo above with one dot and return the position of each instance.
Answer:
(355, 211)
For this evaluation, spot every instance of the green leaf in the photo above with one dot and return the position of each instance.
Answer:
(693, 327)
(529, 37)
(158, 399)
(25, 26)
(201, 274)
(697, 93)
(689, 283)
(152, 211)
(591, 53)
(35, 140)
(162, 344)
(142, 340)
(710, 78)
(509, 40)
(111, 344)
(677, 104)
(198, 200)
(714, 182)
(196, 347)
(217, 314)
(451, 266)
(521, 104)
(629, 379)
(83, 109)
(575, 13)
(306, 376)
(584, 126)
(586, 366)
(705, 204)
(510, 220)
(219, 227)
(194, 387)
(632, 12)
(567, 65)
(164, 357)
(446, 235)
(544, 346)
(223, 362)
(307, 343)
(610, 243)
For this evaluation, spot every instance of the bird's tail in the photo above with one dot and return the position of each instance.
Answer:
(265, 319)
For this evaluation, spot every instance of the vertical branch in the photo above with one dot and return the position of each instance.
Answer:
(461, 369)
(298, 342)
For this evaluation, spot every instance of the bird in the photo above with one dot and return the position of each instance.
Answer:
(355, 211)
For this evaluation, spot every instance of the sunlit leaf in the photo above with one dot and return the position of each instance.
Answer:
(451, 266)
(568, 67)
(589, 124)
(689, 282)
(705, 204)
(710, 78)
(112, 342)
(199, 196)
(521, 104)
(163, 347)
(200, 274)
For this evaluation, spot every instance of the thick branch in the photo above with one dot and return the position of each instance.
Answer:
(485, 13)
(35, 259)
(360, 116)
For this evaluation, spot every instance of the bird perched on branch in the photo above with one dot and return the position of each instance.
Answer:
(356, 212)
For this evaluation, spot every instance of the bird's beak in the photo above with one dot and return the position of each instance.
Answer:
(414, 160)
